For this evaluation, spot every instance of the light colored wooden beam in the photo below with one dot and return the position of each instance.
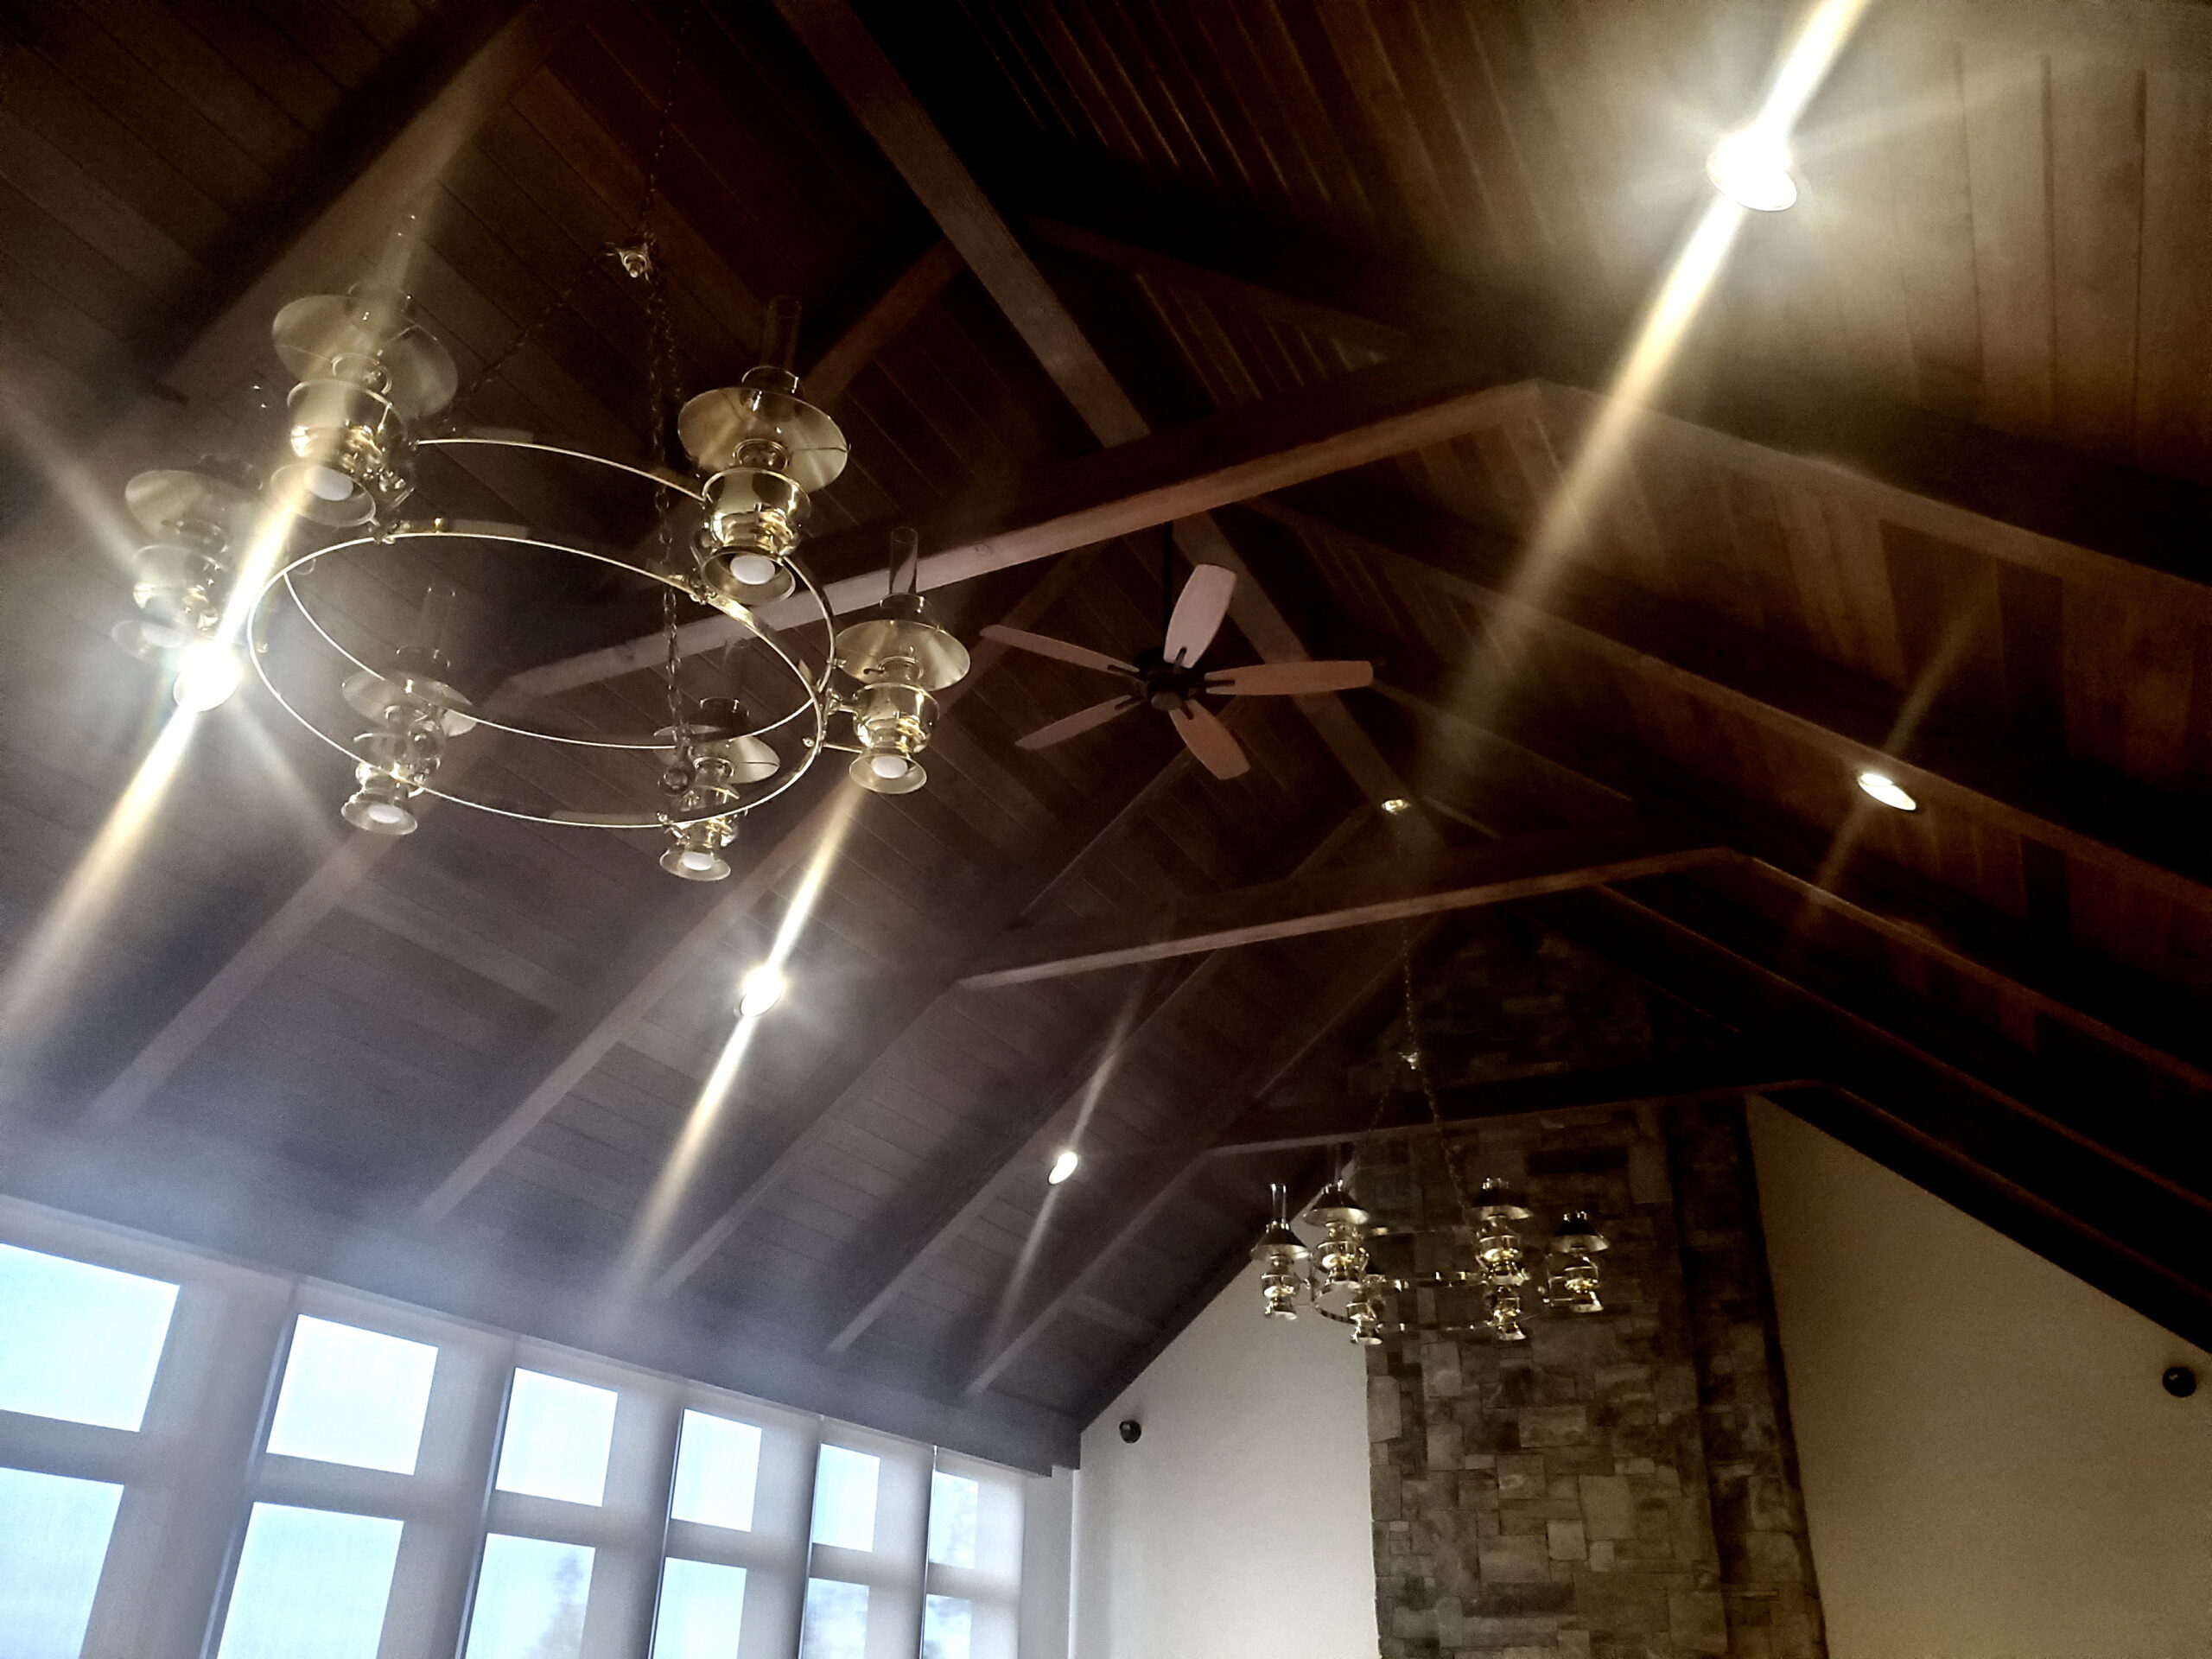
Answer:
(906, 298)
(1495, 874)
(1171, 477)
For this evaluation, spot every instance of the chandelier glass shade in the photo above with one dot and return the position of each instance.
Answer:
(372, 383)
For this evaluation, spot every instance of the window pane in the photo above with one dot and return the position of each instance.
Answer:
(717, 1463)
(701, 1604)
(311, 1585)
(352, 1397)
(947, 1623)
(836, 1620)
(844, 1498)
(556, 1440)
(52, 1544)
(79, 1342)
(952, 1519)
(530, 1601)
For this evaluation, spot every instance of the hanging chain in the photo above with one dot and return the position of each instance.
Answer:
(1417, 1059)
(636, 256)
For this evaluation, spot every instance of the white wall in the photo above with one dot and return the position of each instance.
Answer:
(1237, 1527)
(1991, 1468)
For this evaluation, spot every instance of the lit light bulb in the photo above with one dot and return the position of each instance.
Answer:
(1886, 788)
(752, 569)
(694, 863)
(759, 991)
(206, 674)
(367, 811)
(1062, 1166)
(1751, 168)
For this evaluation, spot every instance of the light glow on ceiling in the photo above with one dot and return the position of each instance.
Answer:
(1886, 788)
(701, 1126)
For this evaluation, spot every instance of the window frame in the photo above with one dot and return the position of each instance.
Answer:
(199, 1463)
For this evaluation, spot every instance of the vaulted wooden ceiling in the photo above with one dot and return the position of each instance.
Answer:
(1336, 290)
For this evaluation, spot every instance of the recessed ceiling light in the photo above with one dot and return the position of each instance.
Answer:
(1751, 168)
(1062, 1166)
(759, 991)
(1884, 789)
(1397, 804)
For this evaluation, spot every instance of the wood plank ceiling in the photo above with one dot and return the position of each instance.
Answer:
(1924, 491)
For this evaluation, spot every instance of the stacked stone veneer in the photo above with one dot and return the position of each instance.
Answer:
(1620, 1484)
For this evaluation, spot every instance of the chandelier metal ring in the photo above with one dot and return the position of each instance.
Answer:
(812, 689)
(816, 686)
(696, 493)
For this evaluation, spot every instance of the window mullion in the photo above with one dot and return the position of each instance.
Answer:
(438, 1554)
(626, 1572)
(177, 1528)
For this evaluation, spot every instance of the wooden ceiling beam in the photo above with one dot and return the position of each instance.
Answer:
(883, 104)
(1021, 892)
(2152, 839)
(1980, 1145)
(565, 1051)
(864, 337)
(2016, 498)
(1172, 475)
(1645, 1083)
(1396, 890)
(1368, 963)
(1025, 1140)
(2132, 1015)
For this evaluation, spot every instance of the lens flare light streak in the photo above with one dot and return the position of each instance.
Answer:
(1651, 353)
(701, 1126)
(38, 984)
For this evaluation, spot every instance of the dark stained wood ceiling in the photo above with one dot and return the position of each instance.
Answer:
(1922, 491)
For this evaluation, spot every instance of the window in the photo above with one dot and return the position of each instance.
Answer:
(53, 1536)
(352, 1397)
(79, 1342)
(530, 1599)
(836, 1621)
(844, 1498)
(558, 1434)
(702, 1610)
(947, 1626)
(952, 1519)
(201, 1457)
(310, 1581)
(717, 1466)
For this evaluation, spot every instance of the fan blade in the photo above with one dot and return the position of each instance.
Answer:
(1197, 613)
(1217, 750)
(1060, 730)
(1081, 656)
(1289, 679)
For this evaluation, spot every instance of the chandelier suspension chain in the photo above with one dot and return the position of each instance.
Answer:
(636, 258)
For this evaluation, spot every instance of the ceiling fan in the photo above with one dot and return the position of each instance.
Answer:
(1169, 679)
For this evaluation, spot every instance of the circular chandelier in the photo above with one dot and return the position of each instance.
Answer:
(1369, 1274)
(229, 555)
(1361, 1274)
